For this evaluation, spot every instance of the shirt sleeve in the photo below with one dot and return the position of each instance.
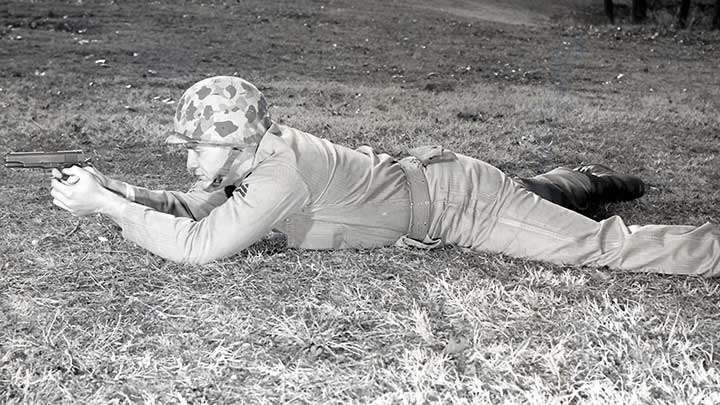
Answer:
(271, 193)
(195, 204)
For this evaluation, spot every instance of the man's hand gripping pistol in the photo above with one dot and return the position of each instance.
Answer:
(46, 160)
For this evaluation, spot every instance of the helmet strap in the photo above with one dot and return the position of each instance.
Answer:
(225, 169)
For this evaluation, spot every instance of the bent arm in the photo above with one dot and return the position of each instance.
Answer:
(271, 193)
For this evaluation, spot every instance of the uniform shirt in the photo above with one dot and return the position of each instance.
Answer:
(321, 195)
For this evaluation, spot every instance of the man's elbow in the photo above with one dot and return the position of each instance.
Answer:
(199, 260)
(195, 259)
(202, 256)
(187, 256)
(195, 248)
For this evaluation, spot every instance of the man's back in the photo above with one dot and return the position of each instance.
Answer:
(357, 198)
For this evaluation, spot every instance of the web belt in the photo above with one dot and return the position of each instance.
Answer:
(419, 198)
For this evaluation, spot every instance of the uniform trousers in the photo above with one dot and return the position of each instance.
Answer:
(475, 205)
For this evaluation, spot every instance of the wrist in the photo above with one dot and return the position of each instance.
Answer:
(113, 204)
(120, 188)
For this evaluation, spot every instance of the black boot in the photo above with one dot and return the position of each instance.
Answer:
(610, 187)
(584, 188)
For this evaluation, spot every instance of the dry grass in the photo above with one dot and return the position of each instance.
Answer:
(86, 317)
(275, 325)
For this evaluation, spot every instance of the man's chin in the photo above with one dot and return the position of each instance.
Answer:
(203, 183)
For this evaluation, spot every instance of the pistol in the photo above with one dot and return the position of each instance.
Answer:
(46, 160)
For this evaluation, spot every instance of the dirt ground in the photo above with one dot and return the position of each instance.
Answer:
(371, 42)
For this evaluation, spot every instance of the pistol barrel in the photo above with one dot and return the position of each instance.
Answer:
(45, 160)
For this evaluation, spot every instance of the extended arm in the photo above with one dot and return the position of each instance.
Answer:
(195, 204)
(273, 192)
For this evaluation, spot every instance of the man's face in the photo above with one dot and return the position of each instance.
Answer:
(204, 161)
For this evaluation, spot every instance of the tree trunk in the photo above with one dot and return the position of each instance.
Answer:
(684, 12)
(716, 19)
(610, 12)
(639, 10)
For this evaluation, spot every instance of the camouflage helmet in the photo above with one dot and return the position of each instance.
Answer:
(221, 110)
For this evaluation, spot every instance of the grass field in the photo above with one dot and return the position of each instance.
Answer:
(86, 317)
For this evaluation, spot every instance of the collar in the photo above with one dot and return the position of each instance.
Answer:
(274, 142)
